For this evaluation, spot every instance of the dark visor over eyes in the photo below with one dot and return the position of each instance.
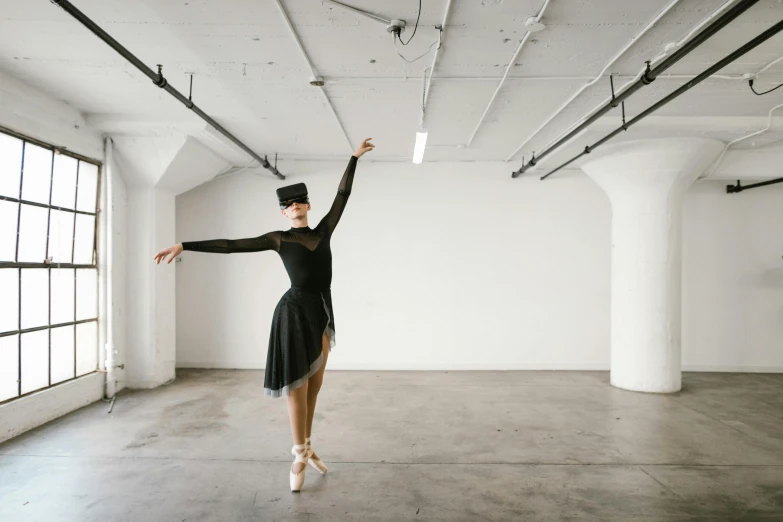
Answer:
(287, 203)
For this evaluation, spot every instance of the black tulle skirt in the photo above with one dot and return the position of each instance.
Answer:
(295, 353)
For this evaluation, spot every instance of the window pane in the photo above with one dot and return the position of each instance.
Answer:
(9, 214)
(35, 297)
(35, 361)
(61, 236)
(86, 348)
(62, 354)
(10, 165)
(9, 367)
(64, 181)
(9, 300)
(32, 234)
(86, 294)
(63, 295)
(85, 239)
(88, 187)
(37, 173)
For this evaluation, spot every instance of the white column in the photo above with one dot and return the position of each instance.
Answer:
(159, 168)
(151, 336)
(645, 182)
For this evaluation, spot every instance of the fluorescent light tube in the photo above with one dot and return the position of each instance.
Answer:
(421, 143)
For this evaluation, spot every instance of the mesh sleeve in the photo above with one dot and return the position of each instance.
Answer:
(270, 241)
(343, 192)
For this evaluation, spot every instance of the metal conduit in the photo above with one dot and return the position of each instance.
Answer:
(159, 80)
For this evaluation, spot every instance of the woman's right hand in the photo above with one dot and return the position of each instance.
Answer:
(173, 252)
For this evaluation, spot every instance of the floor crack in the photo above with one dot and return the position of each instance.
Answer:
(664, 486)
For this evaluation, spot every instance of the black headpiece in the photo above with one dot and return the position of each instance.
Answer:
(292, 194)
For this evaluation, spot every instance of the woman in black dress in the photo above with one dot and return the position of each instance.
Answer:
(303, 331)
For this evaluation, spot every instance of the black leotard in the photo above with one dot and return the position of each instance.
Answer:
(306, 252)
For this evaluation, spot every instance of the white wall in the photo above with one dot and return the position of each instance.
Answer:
(38, 115)
(438, 266)
(457, 266)
(27, 110)
(733, 279)
(158, 168)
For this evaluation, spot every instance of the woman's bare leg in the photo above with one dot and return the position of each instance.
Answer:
(297, 414)
(314, 386)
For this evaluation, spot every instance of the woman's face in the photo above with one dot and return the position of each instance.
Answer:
(296, 210)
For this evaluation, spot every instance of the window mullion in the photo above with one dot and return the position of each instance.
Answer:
(44, 205)
(73, 258)
(16, 258)
(49, 270)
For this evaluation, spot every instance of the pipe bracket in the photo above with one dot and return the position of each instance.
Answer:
(646, 78)
(160, 81)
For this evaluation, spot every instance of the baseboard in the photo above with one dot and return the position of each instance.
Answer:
(210, 365)
(435, 367)
(475, 366)
(705, 368)
(26, 413)
(480, 366)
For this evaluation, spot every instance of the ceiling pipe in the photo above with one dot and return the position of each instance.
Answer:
(420, 145)
(110, 356)
(763, 37)
(159, 80)
(428, 81)
(315, 80)
(768, 66)
(739, 187)
(645, 78)
(671, 47)
(369, 15)
(597, 78)
(743, 138)
(391, 79)
(508, 70)
(668, 50)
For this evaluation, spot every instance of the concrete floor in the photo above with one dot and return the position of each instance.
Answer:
(411, 446)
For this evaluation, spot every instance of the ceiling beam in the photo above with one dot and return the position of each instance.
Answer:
(763, 37)
(613, 60)
(505, 74)
(428, 82)
(158, 79)
(315, 80)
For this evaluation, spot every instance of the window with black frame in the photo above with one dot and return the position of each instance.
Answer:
(48, 266)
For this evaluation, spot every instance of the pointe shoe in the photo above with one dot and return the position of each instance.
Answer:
(314, 461)
(297, 479)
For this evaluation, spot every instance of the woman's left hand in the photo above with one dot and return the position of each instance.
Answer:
(364, 147)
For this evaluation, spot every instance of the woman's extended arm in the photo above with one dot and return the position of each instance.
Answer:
(344, 190)
(270, 241)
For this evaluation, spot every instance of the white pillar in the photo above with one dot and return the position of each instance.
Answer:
(158, 168)
(151, 315)
(645, 182)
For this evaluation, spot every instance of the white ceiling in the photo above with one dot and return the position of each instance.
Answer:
(251, 77)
